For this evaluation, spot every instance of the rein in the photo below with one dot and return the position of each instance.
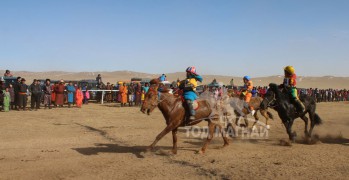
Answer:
(270, 101)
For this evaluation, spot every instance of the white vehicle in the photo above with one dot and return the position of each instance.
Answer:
(168, 85)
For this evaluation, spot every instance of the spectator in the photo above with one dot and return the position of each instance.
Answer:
(123, 94)
(79, 97)
(108, 96)
(7, 99)
(35, 91)
(8, 73)
(47, 94)
(71, 91)
(59, 89)
(22, 97)
(12, 94)
(86, 94)
(99, 80)
(2, 88)
(131, 94)
(16, 89)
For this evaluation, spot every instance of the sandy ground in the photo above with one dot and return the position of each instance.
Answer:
(108, 142)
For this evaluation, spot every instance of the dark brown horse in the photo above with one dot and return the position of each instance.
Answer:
(174, 113)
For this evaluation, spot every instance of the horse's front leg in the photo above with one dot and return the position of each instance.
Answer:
(266, 116)
(305, 119)
(161, 135)
(256, 118)
(174, 137)
(288, 124)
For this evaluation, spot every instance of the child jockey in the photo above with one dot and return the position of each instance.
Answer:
(246, 93)
(189, 87)
(289, 85)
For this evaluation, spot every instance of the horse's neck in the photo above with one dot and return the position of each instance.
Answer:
(167, 103)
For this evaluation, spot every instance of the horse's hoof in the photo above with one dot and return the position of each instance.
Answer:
(149, 149)
(285, 143)
(174, 152)
(268, 127)
(200, 152)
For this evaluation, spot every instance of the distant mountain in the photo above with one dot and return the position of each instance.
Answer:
(113, 77)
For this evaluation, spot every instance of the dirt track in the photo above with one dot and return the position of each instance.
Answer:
(108, 142)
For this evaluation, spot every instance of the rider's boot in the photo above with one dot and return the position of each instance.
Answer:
(299, 106)
(248, 108)
(191, 110)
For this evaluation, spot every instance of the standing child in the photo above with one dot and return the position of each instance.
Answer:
(12, 95)
(7, 99)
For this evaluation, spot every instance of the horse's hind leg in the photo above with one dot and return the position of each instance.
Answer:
(211, 130)
(246, 121)
(305, 119)
(225, 139)
(237, 117)
(174, 137)
(266, 116)
(256, 118)
(312, 123)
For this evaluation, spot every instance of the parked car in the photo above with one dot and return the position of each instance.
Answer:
(168, 85)
(9, 80)
(91, 85)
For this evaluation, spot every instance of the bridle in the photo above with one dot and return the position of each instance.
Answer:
(270, 101)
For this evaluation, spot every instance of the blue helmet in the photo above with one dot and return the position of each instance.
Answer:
(247, 78)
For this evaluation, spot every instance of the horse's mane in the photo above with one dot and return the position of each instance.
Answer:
(273, 86)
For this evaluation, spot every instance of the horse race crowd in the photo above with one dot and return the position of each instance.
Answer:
(14, 96)
(320, 95)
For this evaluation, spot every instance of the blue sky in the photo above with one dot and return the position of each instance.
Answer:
(225, 37)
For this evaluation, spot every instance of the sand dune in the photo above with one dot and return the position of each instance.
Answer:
(113, 77)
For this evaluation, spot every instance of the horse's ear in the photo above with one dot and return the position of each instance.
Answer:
(154, 81)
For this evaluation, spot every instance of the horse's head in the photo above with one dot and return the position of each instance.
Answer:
(151, 97)
(274, 87)
(269, 97)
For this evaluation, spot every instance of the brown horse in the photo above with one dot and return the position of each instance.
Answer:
(174, 113)
(255, 103)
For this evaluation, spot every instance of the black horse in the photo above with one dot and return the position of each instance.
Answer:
(280, 101)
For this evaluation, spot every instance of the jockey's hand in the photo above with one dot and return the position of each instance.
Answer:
(189, 85)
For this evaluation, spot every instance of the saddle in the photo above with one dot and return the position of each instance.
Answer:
(195, 104)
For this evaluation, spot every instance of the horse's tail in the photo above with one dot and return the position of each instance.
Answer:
(317, 119)
(271, 116)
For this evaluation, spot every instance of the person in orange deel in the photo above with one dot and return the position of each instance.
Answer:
(246, 93)
(123, 93)
(79, 97)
